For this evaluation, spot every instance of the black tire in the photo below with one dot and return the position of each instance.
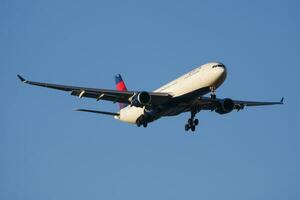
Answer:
(145, 124)
(193, 128)
(186, 127)
(190, 122)
(141, 118)
(196, 122)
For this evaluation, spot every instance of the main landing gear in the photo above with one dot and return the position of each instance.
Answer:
(141, 121)
(192, 123)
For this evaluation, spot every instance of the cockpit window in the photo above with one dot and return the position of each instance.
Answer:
(219, 65)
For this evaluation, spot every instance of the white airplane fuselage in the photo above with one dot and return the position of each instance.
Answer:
(205, 76)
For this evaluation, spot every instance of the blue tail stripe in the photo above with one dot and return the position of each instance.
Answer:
(118, 78)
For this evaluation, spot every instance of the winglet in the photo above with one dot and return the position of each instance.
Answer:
(281, 101)
(21, 78)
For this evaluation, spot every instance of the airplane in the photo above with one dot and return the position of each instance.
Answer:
(184, 94)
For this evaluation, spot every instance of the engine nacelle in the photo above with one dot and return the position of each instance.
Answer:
(141, 99)
(225, 106)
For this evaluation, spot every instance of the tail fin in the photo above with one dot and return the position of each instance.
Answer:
(120, 86)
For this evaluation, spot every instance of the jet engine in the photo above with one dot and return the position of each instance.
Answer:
(225, 106)
(141, 99)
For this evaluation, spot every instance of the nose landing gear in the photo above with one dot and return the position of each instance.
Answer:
(192, 123)
(213, 92)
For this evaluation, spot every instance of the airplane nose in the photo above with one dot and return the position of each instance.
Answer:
(219, 74)
(223, 73)
(222, 69)
(219, 70)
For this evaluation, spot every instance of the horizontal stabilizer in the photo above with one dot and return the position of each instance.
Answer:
(98, 112)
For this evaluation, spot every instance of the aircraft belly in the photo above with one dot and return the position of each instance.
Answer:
(173, 111)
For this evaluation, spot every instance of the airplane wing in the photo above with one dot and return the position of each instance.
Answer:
(102, 94)
(256, 103)
(207, 103)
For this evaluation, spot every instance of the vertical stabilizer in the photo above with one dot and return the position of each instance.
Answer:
(120, 86)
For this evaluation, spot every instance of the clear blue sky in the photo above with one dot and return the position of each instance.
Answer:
(48, 151)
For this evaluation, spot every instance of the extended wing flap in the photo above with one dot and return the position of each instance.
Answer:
(101, 96)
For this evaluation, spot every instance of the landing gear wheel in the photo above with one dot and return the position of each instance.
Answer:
(138, 123)
(141, 121)
(190, 122)
(186, 127)
(196, 122)
(193, 128)
(145, 124)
